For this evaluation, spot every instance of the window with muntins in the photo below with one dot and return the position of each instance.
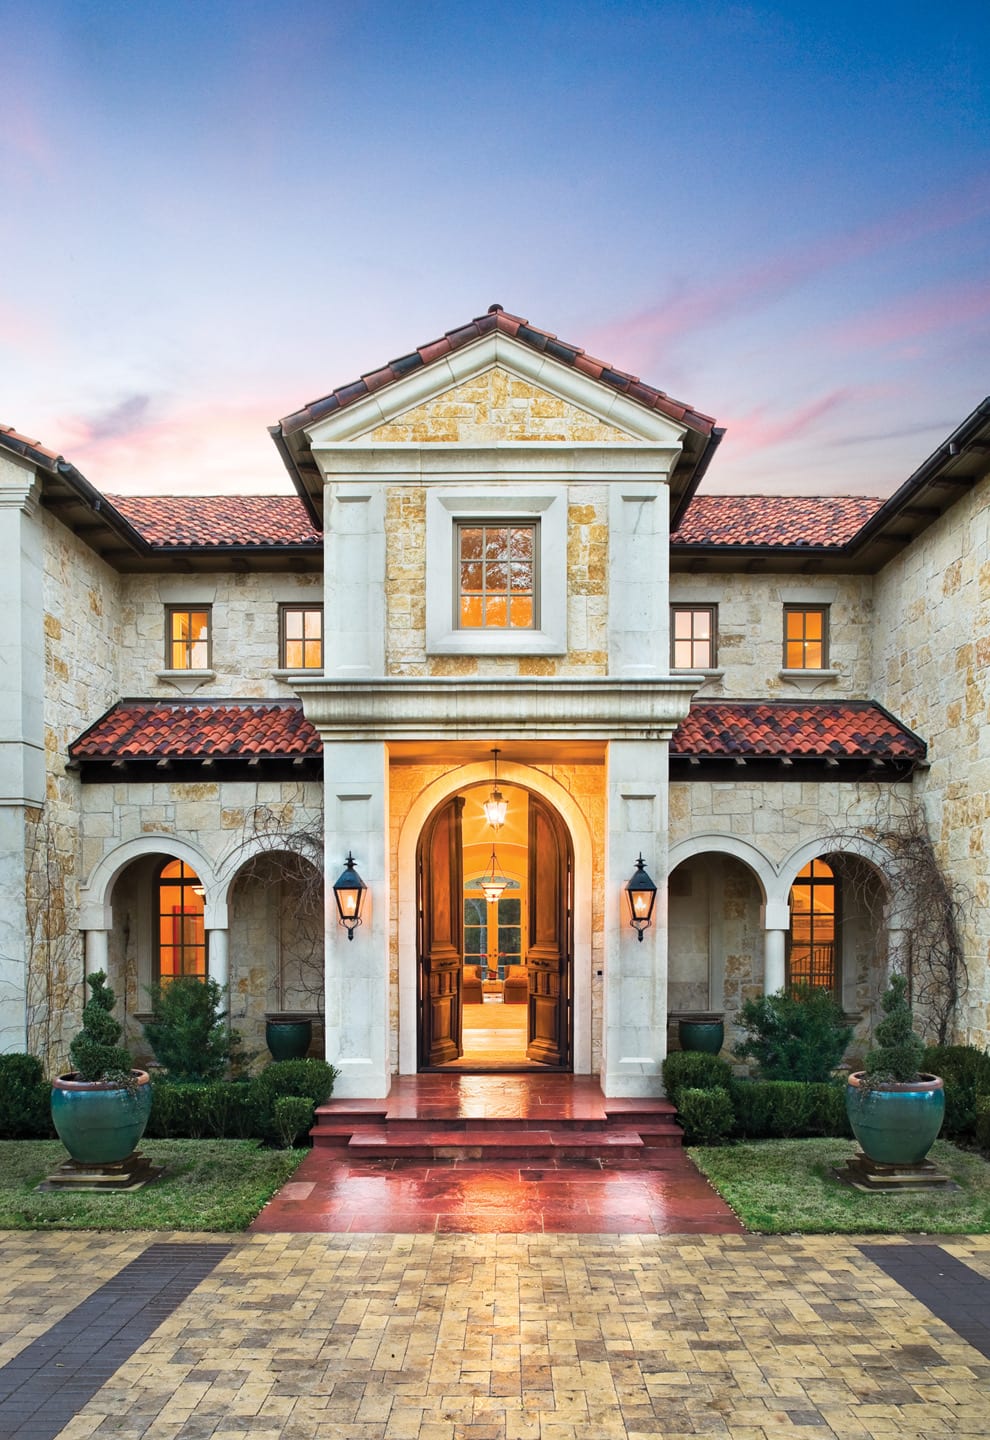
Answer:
(180, 924)
(300, 637)
(805, 637)
(813, 934)
(496, 576)
(693, 637)
(187, 637)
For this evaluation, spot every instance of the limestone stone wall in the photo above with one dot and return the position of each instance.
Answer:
(587, 593)
(750, 632)
(497, 407)
(82, 643)
(931, 667)
(245, 636)
(217, 820)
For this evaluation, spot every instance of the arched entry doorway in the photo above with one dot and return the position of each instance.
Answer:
(495, 959)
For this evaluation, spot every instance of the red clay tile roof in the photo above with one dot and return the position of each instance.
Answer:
(519, 329)
(12, 439)
(791, 520)
(177, 730)
(842, 729)
(185, 522)
(156, 729)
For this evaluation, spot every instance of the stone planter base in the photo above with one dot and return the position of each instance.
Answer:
(129, 1174)
(865, 1174)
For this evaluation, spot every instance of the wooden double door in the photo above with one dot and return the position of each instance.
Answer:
(440, 936)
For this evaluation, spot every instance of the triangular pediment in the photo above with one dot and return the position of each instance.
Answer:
(495, 391)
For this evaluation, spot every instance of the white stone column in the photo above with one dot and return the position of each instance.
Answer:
(97, 950)
(22, 732)
(638, 608)
(218, 949)
(635, 1022)
(354, 591)
(357, 970)
(777, 922)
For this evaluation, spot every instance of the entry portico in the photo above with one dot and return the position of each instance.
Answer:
(489, 437)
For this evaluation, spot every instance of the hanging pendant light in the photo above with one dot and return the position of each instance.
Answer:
(496, 805)
(494, 883)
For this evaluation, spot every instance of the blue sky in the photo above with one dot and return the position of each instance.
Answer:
(215, 212)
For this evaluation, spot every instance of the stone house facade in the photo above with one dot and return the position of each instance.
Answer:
(497, 556)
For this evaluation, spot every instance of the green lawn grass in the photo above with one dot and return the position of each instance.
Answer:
(207, 1185)
(787, 1186)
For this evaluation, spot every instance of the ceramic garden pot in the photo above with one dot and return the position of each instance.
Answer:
(100, 1123)
(288, 1036)
(701, 1032)
(898, 1124)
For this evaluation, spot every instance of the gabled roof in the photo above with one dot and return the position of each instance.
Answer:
(840, 730)
(518, 329)
(700, 443)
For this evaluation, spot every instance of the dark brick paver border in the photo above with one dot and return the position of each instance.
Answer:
(952, 1291)
(51, 1379)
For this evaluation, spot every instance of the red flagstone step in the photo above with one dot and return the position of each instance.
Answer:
(502, 1143)
(503, 1153)
(423, 1120)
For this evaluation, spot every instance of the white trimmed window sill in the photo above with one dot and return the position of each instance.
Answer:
(186, 681)
(687, 671)
(286, 677)
(808, 680)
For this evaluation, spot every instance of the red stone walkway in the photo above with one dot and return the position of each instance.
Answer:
(518, 1154)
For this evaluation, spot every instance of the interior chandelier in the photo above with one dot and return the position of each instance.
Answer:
(496, 804)
(493, 882)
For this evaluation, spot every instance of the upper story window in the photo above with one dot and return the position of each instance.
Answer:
(300, 637)
(496, 576)
(805, 637)
(181, 927)
(187, 637)
(693, 637)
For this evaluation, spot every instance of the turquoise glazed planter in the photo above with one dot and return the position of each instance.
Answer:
(288, 1036)
(705, 1033)
(99, 1123)
(896, 1125)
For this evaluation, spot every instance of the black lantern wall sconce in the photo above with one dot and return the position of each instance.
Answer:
(642, 897)
(348, 891)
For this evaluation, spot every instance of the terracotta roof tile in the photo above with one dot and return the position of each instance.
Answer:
(791, 520)
(843, 729)
(192, 521)
(12, 439)
(155, 729)
(541, 340)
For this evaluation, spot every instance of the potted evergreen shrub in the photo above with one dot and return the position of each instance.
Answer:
(100, 1108)
(894, 1108)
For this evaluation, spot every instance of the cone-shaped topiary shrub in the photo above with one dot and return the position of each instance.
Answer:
(897, 1052)
(94, 1051)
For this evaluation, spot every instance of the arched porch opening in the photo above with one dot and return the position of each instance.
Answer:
(474, 781)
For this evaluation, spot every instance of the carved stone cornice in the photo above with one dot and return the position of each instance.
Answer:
(452, 707)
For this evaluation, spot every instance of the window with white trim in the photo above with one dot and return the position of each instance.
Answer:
(496, 570)
(693, 637)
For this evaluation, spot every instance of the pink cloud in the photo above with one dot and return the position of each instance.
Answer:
(761, 429)
(915, 316)
(637, 337)
(21, 128)
(134, 446)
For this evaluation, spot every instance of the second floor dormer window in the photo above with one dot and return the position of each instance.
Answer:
(496, 576)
